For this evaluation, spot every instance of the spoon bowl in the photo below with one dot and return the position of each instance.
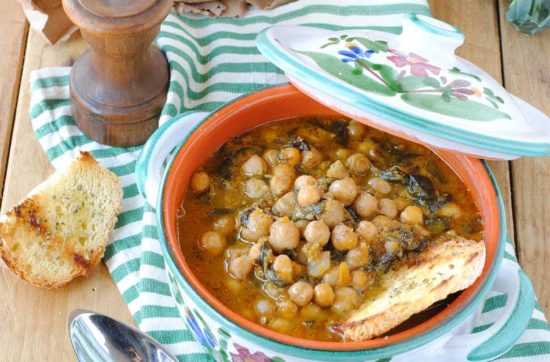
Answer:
(97, 337)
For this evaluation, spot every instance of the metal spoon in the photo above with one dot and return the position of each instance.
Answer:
(96, 337)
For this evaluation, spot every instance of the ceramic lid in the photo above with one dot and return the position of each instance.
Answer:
(411, 85)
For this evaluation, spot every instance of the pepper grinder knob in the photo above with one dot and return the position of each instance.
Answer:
(119, 85)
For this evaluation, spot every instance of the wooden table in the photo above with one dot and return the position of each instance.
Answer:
(33, 321)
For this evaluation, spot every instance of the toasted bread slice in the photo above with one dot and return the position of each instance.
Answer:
(447, 266)
(60, 230)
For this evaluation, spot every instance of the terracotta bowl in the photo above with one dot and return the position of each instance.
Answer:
(222, 331)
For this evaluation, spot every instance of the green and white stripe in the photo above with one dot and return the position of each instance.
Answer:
(212, 62)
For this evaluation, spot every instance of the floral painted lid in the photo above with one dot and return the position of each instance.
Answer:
(411, 85)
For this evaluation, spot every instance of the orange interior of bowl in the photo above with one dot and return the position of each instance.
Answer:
(281, 103)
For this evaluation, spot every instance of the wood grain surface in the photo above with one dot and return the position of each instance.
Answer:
(34, 321)
(526, 63)
(13, 30)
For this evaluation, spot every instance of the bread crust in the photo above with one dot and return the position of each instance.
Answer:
(31, 225)
(447, 266)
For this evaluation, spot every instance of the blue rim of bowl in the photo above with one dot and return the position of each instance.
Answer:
(382, 352)
(348, 94)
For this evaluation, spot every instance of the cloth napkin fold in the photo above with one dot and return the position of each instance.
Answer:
(212, 61)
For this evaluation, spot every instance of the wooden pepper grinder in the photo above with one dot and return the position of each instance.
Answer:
(119, 86)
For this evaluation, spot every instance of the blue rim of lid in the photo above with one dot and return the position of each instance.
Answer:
(347, 94)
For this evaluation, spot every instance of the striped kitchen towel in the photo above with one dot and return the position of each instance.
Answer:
(212, 61)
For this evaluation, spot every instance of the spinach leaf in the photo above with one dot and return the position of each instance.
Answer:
(299, 143)
(337, 127)
(437, 224)
(245, 214)
(394, 174)
(422, 189)
(308, 212)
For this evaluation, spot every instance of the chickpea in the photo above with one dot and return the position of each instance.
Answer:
(342, 306)
(450, 210)
(308, 195)
(290, 155)
(284, 170)
(323, 295)
(304, 180)
(254, 166)
(359, 280)
(319, 262)
(401, 203)
(367, 230)
(200, 182)
(236, 286)
(312, 312)
(257, 226)
(331, 276)
(212, 243)
(264, 307)
(317, 232)
(282, 266)
(342, 154)
(350, 294)
(366, 204)
(388, 207)
(286, 308)
(383, 222)
(346, 299)
(333, 214)
(225, 224)
(358, 257)
(281, 324)
(344, 190)
(280, 184)
(380, 185)
(283, 234)
(300, 293)
(240, 267)
(337, 170)
(412, 215)
(356, 129)
(255, 188)
(311, 158)
(272, 157)
(343, 237)
(367, 147)
(285, 205)
(358, 163)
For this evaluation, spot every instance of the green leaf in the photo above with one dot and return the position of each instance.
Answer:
(453, 107)
(457, 70)
(431, 82)
(387, 73)
(374, 45)
(412, 82)
(493, 103)
(335, 67)
(277, 359)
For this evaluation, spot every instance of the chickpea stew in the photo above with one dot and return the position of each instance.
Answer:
(293, 223)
